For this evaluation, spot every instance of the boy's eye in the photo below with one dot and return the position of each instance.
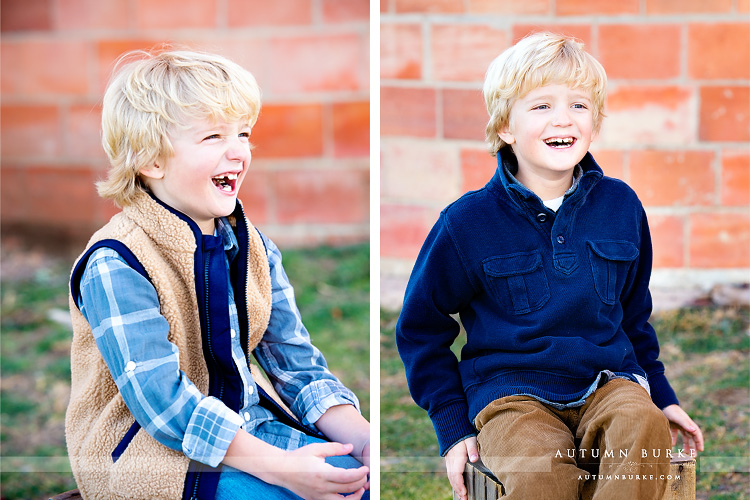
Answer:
(212, 136)
(541, 106)
(245, 135)
(579, 105)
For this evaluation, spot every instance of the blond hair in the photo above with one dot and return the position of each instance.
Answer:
(154, 93)
(535, 61)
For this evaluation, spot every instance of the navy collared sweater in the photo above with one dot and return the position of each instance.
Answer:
(548, 300)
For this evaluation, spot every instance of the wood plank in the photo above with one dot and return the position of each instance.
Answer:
(482, 485)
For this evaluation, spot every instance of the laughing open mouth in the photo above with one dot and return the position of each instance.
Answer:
(226, 182)
(560, 142)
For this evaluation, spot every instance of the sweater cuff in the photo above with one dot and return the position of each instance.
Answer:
(662, 393)
(452, 425)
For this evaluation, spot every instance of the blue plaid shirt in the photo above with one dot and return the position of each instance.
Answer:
(123, 310)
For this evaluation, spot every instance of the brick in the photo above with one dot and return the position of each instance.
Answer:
(255, 195)
(687, 6)
(335, 11)
(401, 51)
(508, 7)
(92, 14)
(611, 162)
(437, 6)
(289, 131)
(408, 111)
(351, 129)
(83, 134)
(578, 31)
(56, 196)
(640, 51)
(421, 171)
(30, 131)
(319, 63)
(724, 114)
(44, 67)
(247, 50)
(735, 177)
(719, 51)
(464, 114)
(477, 168)
(648, 115)
(175, 14)
(592, 7)
(463, 52)
(403, 229)
(265, 13)
(26, 15)
(719, 240)
(671, 178)
(335, 196)
(667, 240)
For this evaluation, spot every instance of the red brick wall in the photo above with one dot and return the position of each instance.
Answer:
(309, 181)
(677, 130)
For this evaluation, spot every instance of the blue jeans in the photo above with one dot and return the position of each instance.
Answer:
(235, 484)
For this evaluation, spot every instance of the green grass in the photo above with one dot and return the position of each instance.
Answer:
(332, 287)
(707, 354)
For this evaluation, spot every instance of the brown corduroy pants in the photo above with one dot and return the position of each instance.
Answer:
(616, 446)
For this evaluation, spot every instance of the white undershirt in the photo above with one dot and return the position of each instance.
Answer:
(554, 204)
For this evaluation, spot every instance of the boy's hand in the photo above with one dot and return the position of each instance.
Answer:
(455, 460)
(310, 477)
(680, 422)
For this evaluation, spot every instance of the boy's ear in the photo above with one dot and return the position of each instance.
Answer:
(506, 135)
(153, 171)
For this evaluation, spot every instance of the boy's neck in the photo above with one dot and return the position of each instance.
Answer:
(549, 186)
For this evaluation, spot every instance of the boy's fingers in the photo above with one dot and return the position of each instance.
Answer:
(349, 476)
(330, 449)
(471, 449)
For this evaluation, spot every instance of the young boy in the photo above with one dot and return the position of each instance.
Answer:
(548, 268)
(173, 295)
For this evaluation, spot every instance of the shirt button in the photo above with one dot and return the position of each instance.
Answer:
(247, 416)
(561, 239)
(250, 390)
(130, 366)
(232, 333)
(541, 217)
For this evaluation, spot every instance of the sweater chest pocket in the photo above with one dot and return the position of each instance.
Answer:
(517, 281)
(610, 263)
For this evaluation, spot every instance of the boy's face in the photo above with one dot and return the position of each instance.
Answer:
(550, 130)
(203, 176)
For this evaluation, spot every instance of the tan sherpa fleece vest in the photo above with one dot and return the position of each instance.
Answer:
(97, 417)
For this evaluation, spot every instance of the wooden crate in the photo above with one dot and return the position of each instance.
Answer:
(68, 495)
(482, 485)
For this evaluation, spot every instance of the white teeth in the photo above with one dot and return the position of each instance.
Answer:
(559, 142)
(223, 181)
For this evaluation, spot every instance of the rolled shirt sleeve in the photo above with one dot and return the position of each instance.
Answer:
(123, 310)
(297, 369)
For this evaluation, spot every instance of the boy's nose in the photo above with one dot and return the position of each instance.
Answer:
(561, 117)
(238, 152)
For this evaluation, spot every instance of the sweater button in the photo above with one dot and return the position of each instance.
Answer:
(561, 239)
(541, 217)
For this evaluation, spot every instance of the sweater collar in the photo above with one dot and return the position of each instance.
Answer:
(586, 174)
